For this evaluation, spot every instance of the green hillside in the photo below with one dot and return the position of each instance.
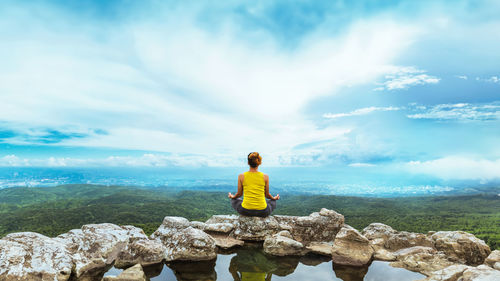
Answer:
(55, 210)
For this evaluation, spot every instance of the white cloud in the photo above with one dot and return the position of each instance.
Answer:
(406, 77)
(458, 111)
(360, 111)
(457, 168)
(463, 77)
(362, 165)
(492, 79)
(145, 160)
(166, 84)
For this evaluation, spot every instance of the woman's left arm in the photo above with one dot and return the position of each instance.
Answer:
(266, 192)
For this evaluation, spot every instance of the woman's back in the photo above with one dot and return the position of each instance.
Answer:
(254, 191)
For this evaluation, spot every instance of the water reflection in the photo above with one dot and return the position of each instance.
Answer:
(250, 263)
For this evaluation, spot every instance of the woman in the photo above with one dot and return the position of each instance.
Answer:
(254, 186)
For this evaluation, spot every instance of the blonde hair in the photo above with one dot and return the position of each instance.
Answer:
(254, 159)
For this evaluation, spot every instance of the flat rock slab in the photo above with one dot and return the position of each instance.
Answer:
(225, 241)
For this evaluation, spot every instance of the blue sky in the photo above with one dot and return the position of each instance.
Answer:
(403, 86)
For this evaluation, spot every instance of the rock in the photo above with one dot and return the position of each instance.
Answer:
(140, 250)
(225, 242)
(321, 248)
(134, 273)
(461, 247)
(183, 242)
(405, 239)
(493, 260)
(378, 230)
(223, 227)
(318, 227)
(480, 273)
(382, 254)
(351, 248)
(282, 245)
(378, 234)
(450, 273)
(32, 256)
(255, 228)
(421, 259)
(199, 225)
(232, 219)
(96, 246)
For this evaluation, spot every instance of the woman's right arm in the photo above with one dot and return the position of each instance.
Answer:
(239, 193)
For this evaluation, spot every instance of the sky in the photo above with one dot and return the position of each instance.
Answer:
(405, 86)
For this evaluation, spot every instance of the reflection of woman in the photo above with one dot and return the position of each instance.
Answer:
(254, 186)
(251, 265)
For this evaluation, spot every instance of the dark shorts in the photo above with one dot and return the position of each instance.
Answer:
(236, 204)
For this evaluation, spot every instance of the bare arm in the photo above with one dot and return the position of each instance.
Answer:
(267, 194)
(239, 193)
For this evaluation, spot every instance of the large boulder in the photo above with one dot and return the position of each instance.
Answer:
(183, 242)
(404, 239)
(480, 273)
(493, 260)
(318, 227)
(96, 246)
(134, 273)
(378, 230)
(351, 248)
(139, 250)
(282, 244)
(32, 256)
(255, 228)
(378, 234)
(461, 246)
(421, 259)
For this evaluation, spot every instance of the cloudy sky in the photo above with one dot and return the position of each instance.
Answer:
(412, 85)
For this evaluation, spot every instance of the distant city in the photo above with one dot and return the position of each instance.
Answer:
(283, 180)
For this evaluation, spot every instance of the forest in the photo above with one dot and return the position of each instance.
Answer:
(55, 210)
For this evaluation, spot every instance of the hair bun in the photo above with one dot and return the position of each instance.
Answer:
(254, 159)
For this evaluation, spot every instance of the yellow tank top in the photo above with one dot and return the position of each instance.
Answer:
(253, 191)
(253, 276)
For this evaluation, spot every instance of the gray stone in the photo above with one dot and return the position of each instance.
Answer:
(255, 228)
(95, 246)
(318, 227)
(493, 260)
(405, 239)
(282, 245)
(480, 273)
(222, 227)
(461, 247)
(378, 230)
(421, 259)
(32, 256)
(450, 273)
(351, 248)
(183, 242)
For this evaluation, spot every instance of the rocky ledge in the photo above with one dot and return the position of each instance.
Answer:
(83, 254)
